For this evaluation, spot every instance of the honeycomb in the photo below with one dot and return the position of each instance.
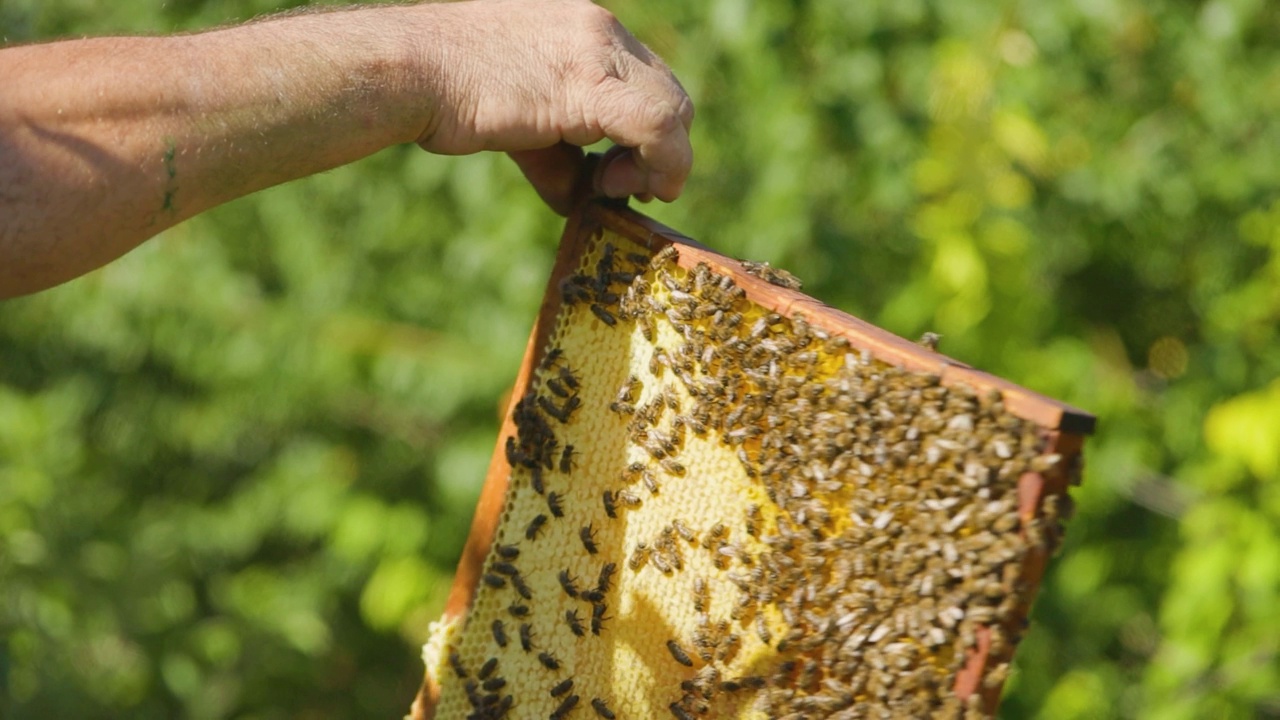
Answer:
(715, 509)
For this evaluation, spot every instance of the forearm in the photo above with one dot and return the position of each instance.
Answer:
(106, 142)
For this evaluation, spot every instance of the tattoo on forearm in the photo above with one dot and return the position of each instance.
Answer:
(171, 168)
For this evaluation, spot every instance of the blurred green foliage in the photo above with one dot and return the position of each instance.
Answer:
(237, 467)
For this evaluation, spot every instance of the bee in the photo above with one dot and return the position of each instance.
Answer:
(728, 647)
(660, 561)
(930, 340)
(536, 481)
(518, 610)
(598, 618)
(626, 498)
(602, 709)
(526, 636)
(679, 654)
(568, 378)
(639, 557)
(605, 316)
(487, 669)
(559, 413)
(519, 584)
(499, 633)
(505, 568)
(493, 685)
(566, 706)
(594, 595)
(553, 502)
(557, 387)
(649, 482)
(562, 688)
(671, 397)
(605, 264)
(656, 449)
(566, 459)
(588, 536)
(610, 508)
(553, 357)
(575, 623)
(647, 327)
(664, 256)
(514, 455)
(673, 467)
(683, 530)
(606, 576)
(510, 552)
(700, 594)
(494, 581)
(549, 661)
(531, 532)
(567, 582)
(679, 712)
(455, 662)
(762, 629)
(753, 520)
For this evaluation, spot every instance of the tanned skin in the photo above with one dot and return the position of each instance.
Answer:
(105, 142)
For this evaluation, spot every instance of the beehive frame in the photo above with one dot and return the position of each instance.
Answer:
(1061, 427)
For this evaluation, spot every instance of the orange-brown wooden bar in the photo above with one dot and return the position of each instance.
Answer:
(1063, 427)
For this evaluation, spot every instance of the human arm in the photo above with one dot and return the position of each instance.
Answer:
(106, 142)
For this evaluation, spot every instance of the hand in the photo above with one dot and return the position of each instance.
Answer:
(541, 79)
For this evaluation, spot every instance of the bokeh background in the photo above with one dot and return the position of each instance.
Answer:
(237, 467)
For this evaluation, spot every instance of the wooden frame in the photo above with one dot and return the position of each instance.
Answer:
(1063, 427)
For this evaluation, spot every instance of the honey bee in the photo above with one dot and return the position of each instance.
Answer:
(679, 712)
(639, 556)
(605, 316)
(567, 705)
(700, 597)
(499, 633)
(510, 552)
(606, 575)
(519, 584)
(494, 581)
(518, 610)
(504, 568)
(588, 536)
(753, 520)
(679, 654)
(574, 622)
(664, 256)
(610, 508)
(626, 498)
(553, 503)
(526, 637)
(598, 618)
(487, 669)
(673, 467)
(683, 530)
(567, 582)
(455, 662)
(602, 709)
(558, 388)
(659, 561)
(562, 688)
(531, 532)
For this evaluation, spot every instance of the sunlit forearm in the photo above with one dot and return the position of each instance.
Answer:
(106, 142)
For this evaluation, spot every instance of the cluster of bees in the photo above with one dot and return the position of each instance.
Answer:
(823, 534)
